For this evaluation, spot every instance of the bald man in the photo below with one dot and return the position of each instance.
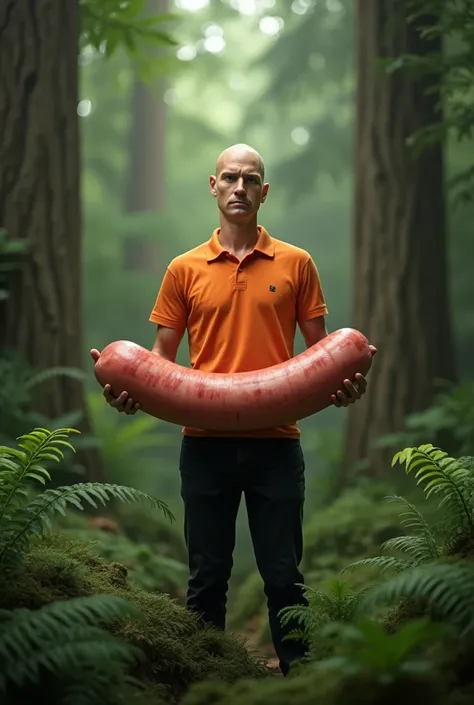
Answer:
(239, 296)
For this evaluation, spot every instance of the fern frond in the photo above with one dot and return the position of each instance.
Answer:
(381, 563)
(83, 649)
(339, 590)
(440, 474)
(35, 518)
(336, 604)
(26, 629)
(94, 691)
(413, 521)
(413, 546)
(467, 461)
(63, 637)
(447, 589)
(20, 465)
(365, 646)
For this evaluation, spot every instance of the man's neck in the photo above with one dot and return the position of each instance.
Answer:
(238, 238)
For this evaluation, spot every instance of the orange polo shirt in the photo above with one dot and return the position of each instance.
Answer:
(240, 316)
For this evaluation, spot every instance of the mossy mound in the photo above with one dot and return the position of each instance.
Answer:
(155, 557)
(179, 650)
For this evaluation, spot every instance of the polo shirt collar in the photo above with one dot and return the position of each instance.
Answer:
(264, 245)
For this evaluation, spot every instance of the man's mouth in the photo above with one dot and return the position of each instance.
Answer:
(239, 203)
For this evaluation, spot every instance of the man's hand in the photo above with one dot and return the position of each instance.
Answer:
(123, 402)
(352, 390)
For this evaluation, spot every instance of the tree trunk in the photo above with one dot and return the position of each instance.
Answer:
(40, 196)
(145, 183)
(400, 290)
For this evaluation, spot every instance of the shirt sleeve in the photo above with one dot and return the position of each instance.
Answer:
(170, 307)
(310, 301)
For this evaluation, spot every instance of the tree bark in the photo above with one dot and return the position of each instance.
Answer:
(40, 196)
(400, 288)
(145, 183)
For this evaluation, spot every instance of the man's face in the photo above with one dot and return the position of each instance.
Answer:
(238, 186)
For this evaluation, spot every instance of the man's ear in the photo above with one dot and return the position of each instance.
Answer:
(212, 185)
(265, 192)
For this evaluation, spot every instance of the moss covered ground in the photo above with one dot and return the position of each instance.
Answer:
(178, 650)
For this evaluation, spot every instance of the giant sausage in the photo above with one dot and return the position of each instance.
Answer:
(244, 401)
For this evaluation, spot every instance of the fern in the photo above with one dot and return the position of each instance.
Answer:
(439, 474)
(412, 520)
(446, 589)
(337, 604)
(20, 519)
(383, 564)
(18, 384)
(65, 638)
(417, 549)
(467, 461)
(365, 648)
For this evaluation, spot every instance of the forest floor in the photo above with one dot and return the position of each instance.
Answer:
(265, 651)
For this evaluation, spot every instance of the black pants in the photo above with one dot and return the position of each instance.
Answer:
(270, 473)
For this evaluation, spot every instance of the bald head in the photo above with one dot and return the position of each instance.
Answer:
(238, 183)
(240, 153)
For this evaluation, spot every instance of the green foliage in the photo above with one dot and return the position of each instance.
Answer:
(337, 604)
(178, 651)
(66, 640)
(370, 668)
(450, 418)
(145, 563)
(353, 526)
(450, 481)
(107, 25)
(64, 628)
(124, 443)
(445, 590)
(366, 647)
(420, 548)
(22, 519)
(440, 474)
(452, 74)
(20, 387)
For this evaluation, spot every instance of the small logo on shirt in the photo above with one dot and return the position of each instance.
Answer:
(272, 287)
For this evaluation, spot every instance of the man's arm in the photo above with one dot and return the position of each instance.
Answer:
(312, 312)
(167, 342)
(313, 330)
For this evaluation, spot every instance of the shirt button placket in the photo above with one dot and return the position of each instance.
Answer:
(240, 281)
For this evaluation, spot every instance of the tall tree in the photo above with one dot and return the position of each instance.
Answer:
(400, 289)
(40, 179)
(39, 194)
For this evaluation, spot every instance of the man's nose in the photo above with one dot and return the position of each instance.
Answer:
(240, 187)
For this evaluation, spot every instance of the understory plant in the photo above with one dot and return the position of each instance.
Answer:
(65, 644)
(19, 385)
(336, 604)
(357, 654)
(447, 479)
